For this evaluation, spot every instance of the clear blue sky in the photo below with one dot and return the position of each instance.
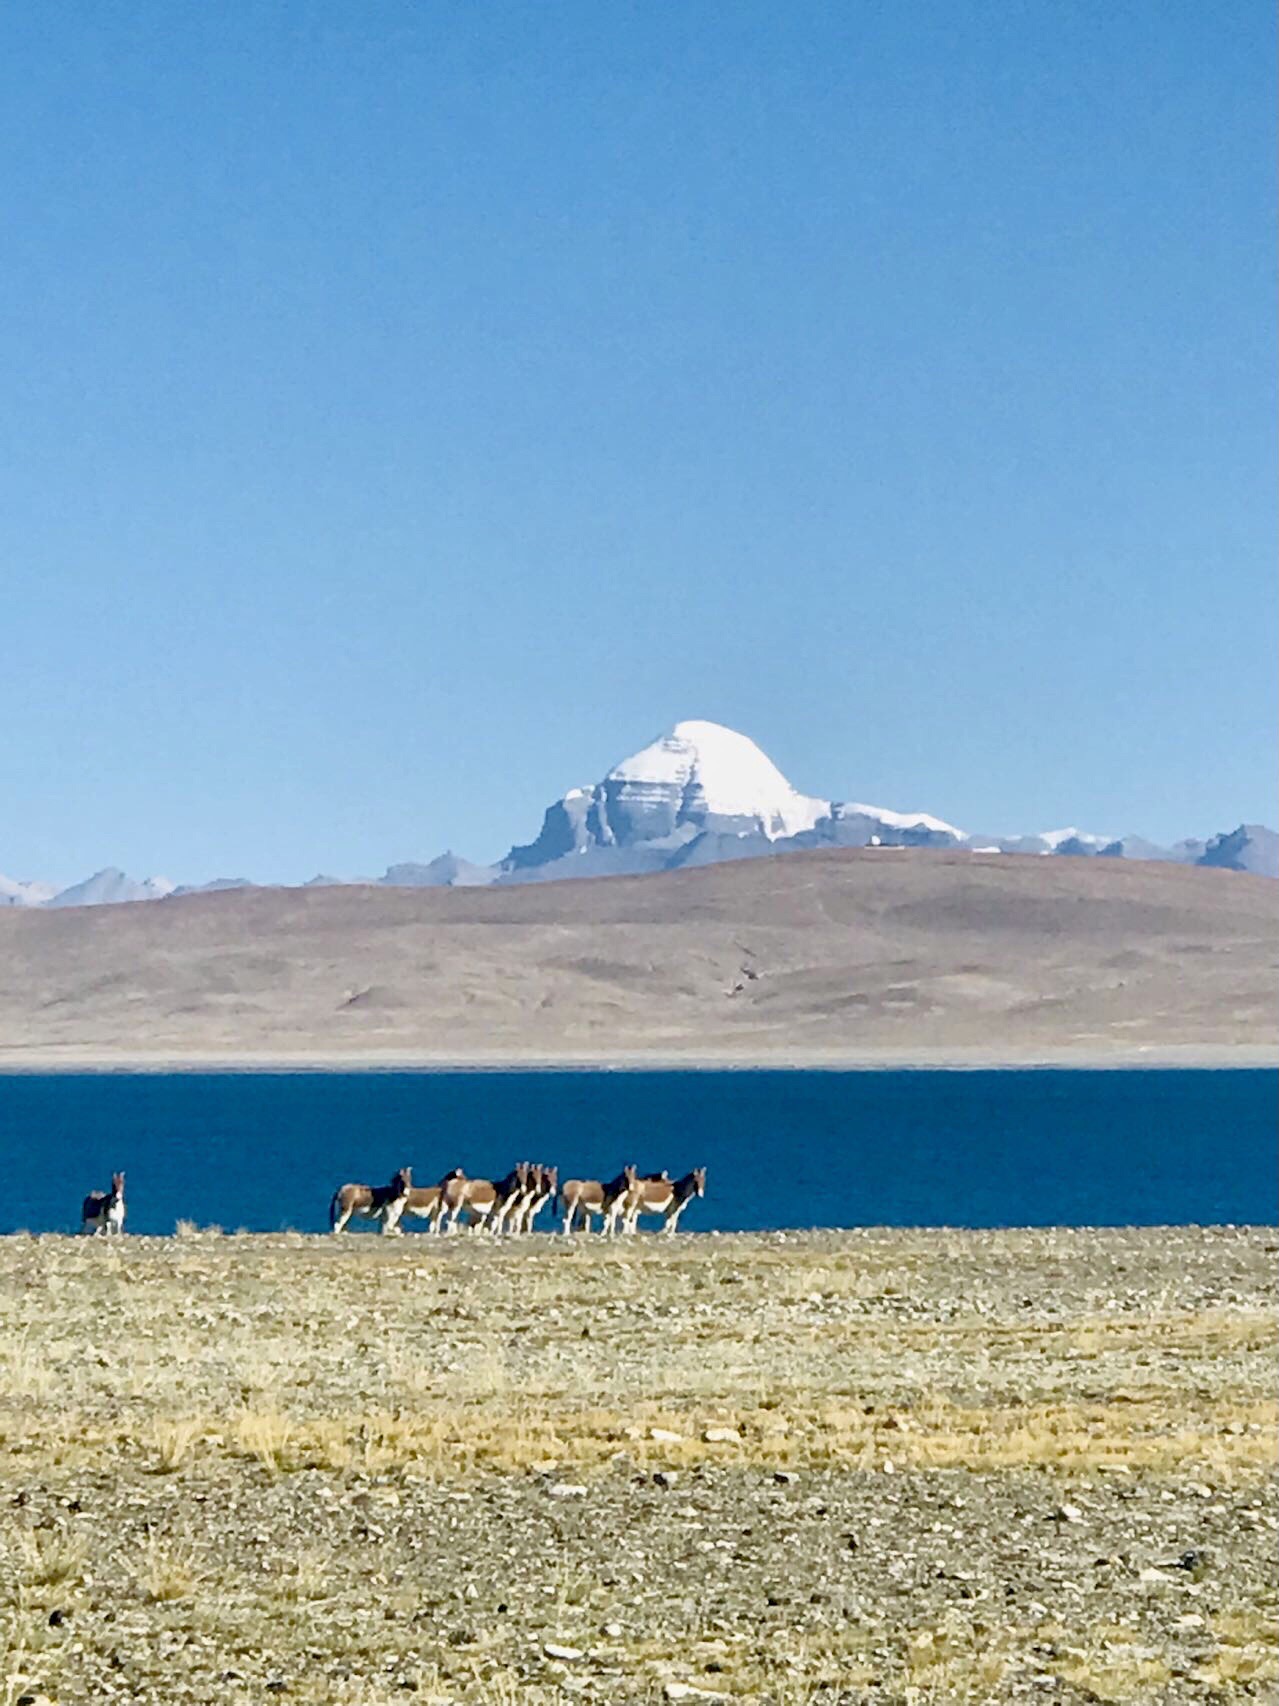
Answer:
(410, 408)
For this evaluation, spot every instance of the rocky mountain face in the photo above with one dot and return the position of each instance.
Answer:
(447, 871)
(700, 779)
(699, 795)
(1251, 847)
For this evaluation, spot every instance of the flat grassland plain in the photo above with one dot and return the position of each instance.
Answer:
(892, 956)
(907, 1466)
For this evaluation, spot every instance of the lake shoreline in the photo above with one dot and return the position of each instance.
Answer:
(1190, 1057)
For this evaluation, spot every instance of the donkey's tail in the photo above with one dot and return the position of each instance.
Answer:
(335, 1208)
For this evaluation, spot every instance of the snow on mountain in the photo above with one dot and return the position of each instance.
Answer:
(703, 793)
(698, 779)
(1077, 843)
(849, 824)
(15, 893)
(111, 887)
(701, 771)
(1054, 839)
(900, 820)
(698, 795)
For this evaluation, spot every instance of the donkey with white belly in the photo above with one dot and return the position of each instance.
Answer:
(476, 1198)
(103, 1211)
(662, 1195)
(372, 1202)
(426, 1202)
(582, 1198)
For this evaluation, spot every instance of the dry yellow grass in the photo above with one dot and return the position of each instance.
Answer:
(917, 1467)
(165, 1572)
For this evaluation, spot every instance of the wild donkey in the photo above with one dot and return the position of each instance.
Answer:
(427, 1201)
(103, 1211)
(585, 1197)
(543, 1185)
(518, 1207)
(372, 1202)
(662, 1195)
(509, 1197)
(476, 1198)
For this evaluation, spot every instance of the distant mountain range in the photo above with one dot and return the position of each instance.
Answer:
(696, 796)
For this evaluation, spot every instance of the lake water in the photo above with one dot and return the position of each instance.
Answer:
(263, 1151)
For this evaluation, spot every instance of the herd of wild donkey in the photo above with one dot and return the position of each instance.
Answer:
(511, 1204)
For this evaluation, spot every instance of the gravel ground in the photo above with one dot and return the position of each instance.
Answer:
(858, 1467)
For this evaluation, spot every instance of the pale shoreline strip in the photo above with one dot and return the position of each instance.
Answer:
(1187, 1056)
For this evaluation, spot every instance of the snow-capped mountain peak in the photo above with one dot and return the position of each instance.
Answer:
(1055, 838)
(698, 795)
(718, 773)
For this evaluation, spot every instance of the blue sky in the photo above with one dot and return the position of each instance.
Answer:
(409, 409)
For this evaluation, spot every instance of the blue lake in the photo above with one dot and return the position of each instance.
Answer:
(263, 1151)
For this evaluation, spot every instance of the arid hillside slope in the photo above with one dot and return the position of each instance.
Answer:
(831, 955)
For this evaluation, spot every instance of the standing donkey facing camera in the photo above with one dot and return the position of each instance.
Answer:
(103, 1211)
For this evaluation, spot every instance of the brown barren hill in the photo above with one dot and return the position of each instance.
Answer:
(863, 956)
